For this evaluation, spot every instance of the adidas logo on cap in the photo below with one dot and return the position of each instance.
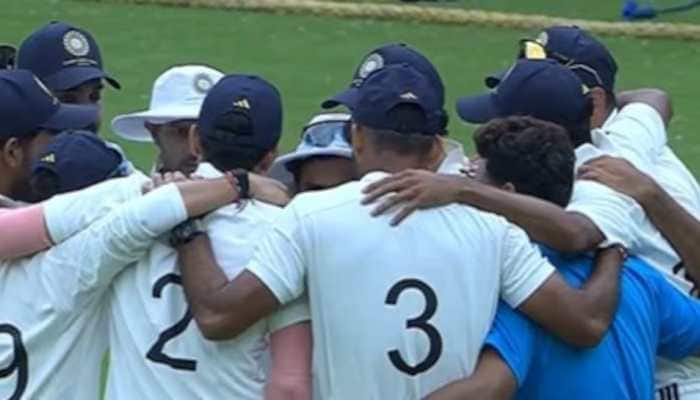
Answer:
(243, 103)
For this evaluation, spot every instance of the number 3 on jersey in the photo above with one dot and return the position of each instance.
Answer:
(421, 322)
(155, 353)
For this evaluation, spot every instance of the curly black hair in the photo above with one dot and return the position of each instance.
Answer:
(537, 157)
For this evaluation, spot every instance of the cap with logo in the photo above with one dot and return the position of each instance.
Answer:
(177, 95)
(381, 57)
(542, 89)
(63, 57)
(324, 136)
(27, 106)
(79, 159)
(574, 48)
(380, 96)
(244, 111)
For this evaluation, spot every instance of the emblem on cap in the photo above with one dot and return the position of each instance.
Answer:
(203, 83)
(242, 103)
(543, 39)
(76, 43)
(372, 63)
(408, 96)
(49, 158)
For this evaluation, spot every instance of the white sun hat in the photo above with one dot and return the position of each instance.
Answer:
(177, 94)
(323, 136)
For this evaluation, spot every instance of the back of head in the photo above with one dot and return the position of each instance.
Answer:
(73, 161)
(535, 156)
(240, 122)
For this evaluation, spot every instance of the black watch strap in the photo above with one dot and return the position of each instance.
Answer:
(185, 232)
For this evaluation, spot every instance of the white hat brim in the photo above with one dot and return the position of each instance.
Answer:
(132, 126)
(280, 170)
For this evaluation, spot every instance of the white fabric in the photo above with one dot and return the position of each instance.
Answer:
(327, 243)
(638, 132)
(232, 369)
(177, 94)
(55, 298)
(455, 160)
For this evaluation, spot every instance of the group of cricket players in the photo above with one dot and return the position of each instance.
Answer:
(375, 261)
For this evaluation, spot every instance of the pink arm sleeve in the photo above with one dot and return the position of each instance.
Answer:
(290, 373)
(22, 232)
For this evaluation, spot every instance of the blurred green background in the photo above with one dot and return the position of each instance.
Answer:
(310, 58)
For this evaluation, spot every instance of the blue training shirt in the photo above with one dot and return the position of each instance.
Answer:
(653, 318)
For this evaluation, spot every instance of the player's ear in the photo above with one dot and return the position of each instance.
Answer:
(357, 138)
(194, 142)
(264, 165)
(508, 187)
(600, 106)
(12, 153)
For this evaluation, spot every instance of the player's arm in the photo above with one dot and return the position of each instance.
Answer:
(545, 222)
(290, 349)
(492, 380)
(580, 317)
(655, 98)
(676, 224)
(23, 233)
(223, 309)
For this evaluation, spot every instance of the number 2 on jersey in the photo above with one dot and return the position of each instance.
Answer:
(155, 353)
(19, 363)
(421, 322)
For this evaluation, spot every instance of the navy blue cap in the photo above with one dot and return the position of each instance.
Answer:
(542, 89)
(392, 86)
(27, 106)
(80, 159)
(576, 49)
(63, 57)
(389, 54)
(242, 96)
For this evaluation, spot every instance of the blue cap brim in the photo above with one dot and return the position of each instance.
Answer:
(477, 109)
(70, 116)
(71, 77)
(347, 97)
(494, 79)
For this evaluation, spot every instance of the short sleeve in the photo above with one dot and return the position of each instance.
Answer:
(616, 215)
(290, 314)
(638, 133)
(524, 267)
(278, 260)
(679, 322)
(514, 337)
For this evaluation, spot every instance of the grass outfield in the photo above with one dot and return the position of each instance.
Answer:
(312, 57)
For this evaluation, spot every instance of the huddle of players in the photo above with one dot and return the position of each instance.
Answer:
(399, 307)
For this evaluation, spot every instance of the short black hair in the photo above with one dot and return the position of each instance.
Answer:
(537, 157)
(45, 184)
(404, 142)
(227, 149)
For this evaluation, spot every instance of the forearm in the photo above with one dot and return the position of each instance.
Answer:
(655, 98)
(544, 222)
(290, 370)
(676, 224)
(492, 380)
(23, 232)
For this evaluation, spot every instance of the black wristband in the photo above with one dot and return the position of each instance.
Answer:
(186, 232)
(243, 183)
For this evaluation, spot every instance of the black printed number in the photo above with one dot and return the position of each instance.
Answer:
(421, 322)
(19, 363)
(155, 353)
(679, 269)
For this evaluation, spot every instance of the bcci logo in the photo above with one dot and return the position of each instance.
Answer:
(76, 44)
(372, 63)
(203, 83)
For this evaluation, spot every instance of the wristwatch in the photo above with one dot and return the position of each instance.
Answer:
(186, 232)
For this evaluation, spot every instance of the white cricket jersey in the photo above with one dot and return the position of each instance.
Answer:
(53, 333)
(638, 132)
(455, 161)
(156, 350)
(397, 311)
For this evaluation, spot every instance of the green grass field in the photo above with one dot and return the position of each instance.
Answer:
(312, 57)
